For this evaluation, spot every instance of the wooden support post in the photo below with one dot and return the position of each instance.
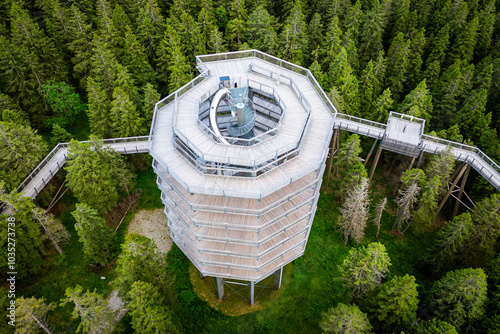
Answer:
(462, 186)
(337, 148)
(330, 160)
(462, 171)
(220, 287)
(375, 162)
(411, 163)
(371, 151)
(420, 156)
(277, 277)
(252, 292)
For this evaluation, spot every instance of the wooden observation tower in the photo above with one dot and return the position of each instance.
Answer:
(240, 153)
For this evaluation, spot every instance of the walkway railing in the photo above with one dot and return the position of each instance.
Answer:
(51, 164)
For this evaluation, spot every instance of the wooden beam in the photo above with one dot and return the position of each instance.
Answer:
(462, 171)
(375, 162)
(371, 151)
(462, 186)
(398, 184)
(330, 159)
(420, 156)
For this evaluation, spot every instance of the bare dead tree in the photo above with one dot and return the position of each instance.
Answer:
(378, 214)
(354, 212)
(118, 213)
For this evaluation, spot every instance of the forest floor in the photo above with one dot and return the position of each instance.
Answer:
(153, 225)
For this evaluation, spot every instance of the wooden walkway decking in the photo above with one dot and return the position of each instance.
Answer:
(49, 166)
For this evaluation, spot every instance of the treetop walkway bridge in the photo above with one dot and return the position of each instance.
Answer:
(402, 134)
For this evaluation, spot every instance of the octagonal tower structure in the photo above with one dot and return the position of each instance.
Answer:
(239, 153)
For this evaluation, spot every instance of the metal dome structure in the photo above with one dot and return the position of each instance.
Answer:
(239, 153)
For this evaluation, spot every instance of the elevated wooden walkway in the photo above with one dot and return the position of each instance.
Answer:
(473, 156)
(51, 164)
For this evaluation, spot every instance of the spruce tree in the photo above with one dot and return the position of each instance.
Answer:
(418, 102)
(354, 212)
(21, 149)
(452, 239)
(135, 59)
(98, 109)
(125, 118)
(148, 311)
(460, 296)
(351, 169)
(382, 106)
(98, 240)
(261, 33)
(364, 268)
(31, 315)
(96, 173)
(465, 43)
(373, 26)
(398, 61)
(294, 36)
(150, 27)
(53, 228)
(92, 310)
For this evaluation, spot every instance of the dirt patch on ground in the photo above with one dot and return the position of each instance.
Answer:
(152, 224)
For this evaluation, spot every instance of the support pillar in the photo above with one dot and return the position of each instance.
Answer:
(420, 156)
(277, 277)
(252, 292)
(374, 166)
(330, 159)
(371, 151)
(398, 184)
(451, 189)
(462, 186)
(337, 148)
(220, 287)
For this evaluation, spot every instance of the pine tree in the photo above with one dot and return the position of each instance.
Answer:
(418, 102)
(452, 239)
(454, 83)
(95, 173)
(104, 64)
(135, 59)
(80, 43)
(465, 43)
(98, 240)
(440, 46)
(151, 97)
(398, 59)
(364, 268)
(294, 36)
(354, 212)
(382, 106)
(345, 319)
(92, 310)
(148, 311)
(472, 117)
(21, 149)
(425, 215)
(373, 26)
(346, 82)
(460, 296)
(125, 118)
(53, 228)
(486, 28)
(98, 109)
(441, 165)
(237, 24)
(31, 315)
(150, 27)
(396, 301)
(29, 239)
(351, 169)
(261, 33)
(139, 260)
(215, 42)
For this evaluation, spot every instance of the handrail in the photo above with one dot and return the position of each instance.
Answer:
(62, 146)
(362, 121)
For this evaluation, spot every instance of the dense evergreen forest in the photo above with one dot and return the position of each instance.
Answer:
(94, 69)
